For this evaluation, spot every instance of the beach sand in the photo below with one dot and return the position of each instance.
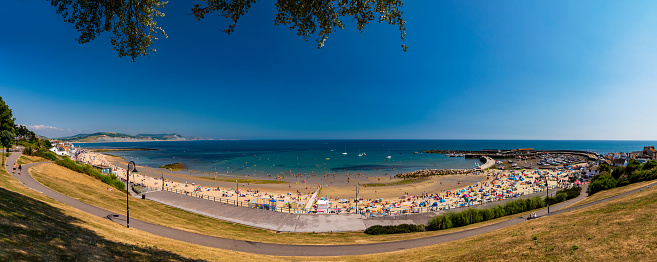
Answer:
(297, 190)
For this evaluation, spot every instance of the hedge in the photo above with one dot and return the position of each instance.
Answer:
(109, 179)
(603, 182)
(472, 215)
(398, 229)
(46, 154)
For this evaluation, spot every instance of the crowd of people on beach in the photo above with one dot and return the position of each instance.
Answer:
(497, 185)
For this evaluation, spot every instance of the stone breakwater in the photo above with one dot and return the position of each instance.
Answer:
(434, 172)
(487, 163)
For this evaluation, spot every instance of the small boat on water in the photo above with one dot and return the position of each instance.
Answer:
(345, 150)
(388, 156)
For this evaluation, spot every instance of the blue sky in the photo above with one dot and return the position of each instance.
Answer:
(473, 70)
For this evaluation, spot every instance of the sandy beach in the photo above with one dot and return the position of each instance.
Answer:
(379, 195)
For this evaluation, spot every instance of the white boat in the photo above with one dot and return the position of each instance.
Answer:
(345, 150)
(388, 156)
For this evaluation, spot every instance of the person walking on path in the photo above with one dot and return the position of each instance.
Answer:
(20, 167)
(14, 169)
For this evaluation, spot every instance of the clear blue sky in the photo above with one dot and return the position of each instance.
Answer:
(474, 70)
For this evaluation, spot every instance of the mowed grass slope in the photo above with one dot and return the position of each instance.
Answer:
(619, 230)
(34, 227)
(623, 229)
(92, 191)
(23, 160)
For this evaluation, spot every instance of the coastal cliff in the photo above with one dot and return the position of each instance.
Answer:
(100, 137)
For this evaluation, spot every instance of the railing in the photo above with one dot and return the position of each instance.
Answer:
(234, 202)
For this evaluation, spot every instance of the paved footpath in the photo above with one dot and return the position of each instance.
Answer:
(281, 249)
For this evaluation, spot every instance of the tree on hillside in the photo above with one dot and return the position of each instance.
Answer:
(7, 133)
(134, 27)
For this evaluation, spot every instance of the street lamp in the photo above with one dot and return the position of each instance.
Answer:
(356, 198)
(131, 167)
(547, 192)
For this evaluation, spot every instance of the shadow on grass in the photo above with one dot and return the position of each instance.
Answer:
(31, 230)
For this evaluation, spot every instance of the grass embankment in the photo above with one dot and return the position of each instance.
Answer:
(620, 230)
(244, 180)
(91, 191)
(612, 192)
(174, 166)
(34, 227)
(400, 182)
(624, 229)
(23, 160)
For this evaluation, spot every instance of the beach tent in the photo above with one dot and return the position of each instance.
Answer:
(322, 205)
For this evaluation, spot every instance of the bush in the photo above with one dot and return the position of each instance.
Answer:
(571, 193)
(28, 151)
(560, 197)
(617, 172)
(46, 154)
(602, 183)
(471, 216)
(109, 179)
(398, 229)
(440, 222)
(649, 165)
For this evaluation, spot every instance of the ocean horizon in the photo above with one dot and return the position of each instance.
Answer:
(374, 157)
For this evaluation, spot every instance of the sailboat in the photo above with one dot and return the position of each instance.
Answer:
(345, 150)
(388, 156)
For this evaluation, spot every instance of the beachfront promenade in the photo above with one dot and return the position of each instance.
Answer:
(291, 222)
(281, 249)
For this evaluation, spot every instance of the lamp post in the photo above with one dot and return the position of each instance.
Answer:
(238, 193)
(131, 167)
(356, 198)
(547, 192)
(162, 181)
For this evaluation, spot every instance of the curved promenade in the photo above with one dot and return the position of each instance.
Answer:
(282, 249)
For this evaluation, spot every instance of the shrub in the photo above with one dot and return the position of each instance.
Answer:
(622, 181)
(570, 193)
(471, 216)
(649, 165)
(28, 151)
(398, 229)
(440, 222)
(46, 154)
(560, 197)
(617, 172)
(602, 183)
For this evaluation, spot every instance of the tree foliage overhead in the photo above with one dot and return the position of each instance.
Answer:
(132, 22)
(134, 28)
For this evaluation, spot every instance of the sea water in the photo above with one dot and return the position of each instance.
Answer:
(319, 157)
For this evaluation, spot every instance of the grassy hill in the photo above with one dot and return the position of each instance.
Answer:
(34, 227)
(119, 137)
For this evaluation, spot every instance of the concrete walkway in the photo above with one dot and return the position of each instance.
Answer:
(281, 249)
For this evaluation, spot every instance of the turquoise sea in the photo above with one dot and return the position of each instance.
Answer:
(263, 157)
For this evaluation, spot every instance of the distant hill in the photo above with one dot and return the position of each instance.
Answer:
(118, 137)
